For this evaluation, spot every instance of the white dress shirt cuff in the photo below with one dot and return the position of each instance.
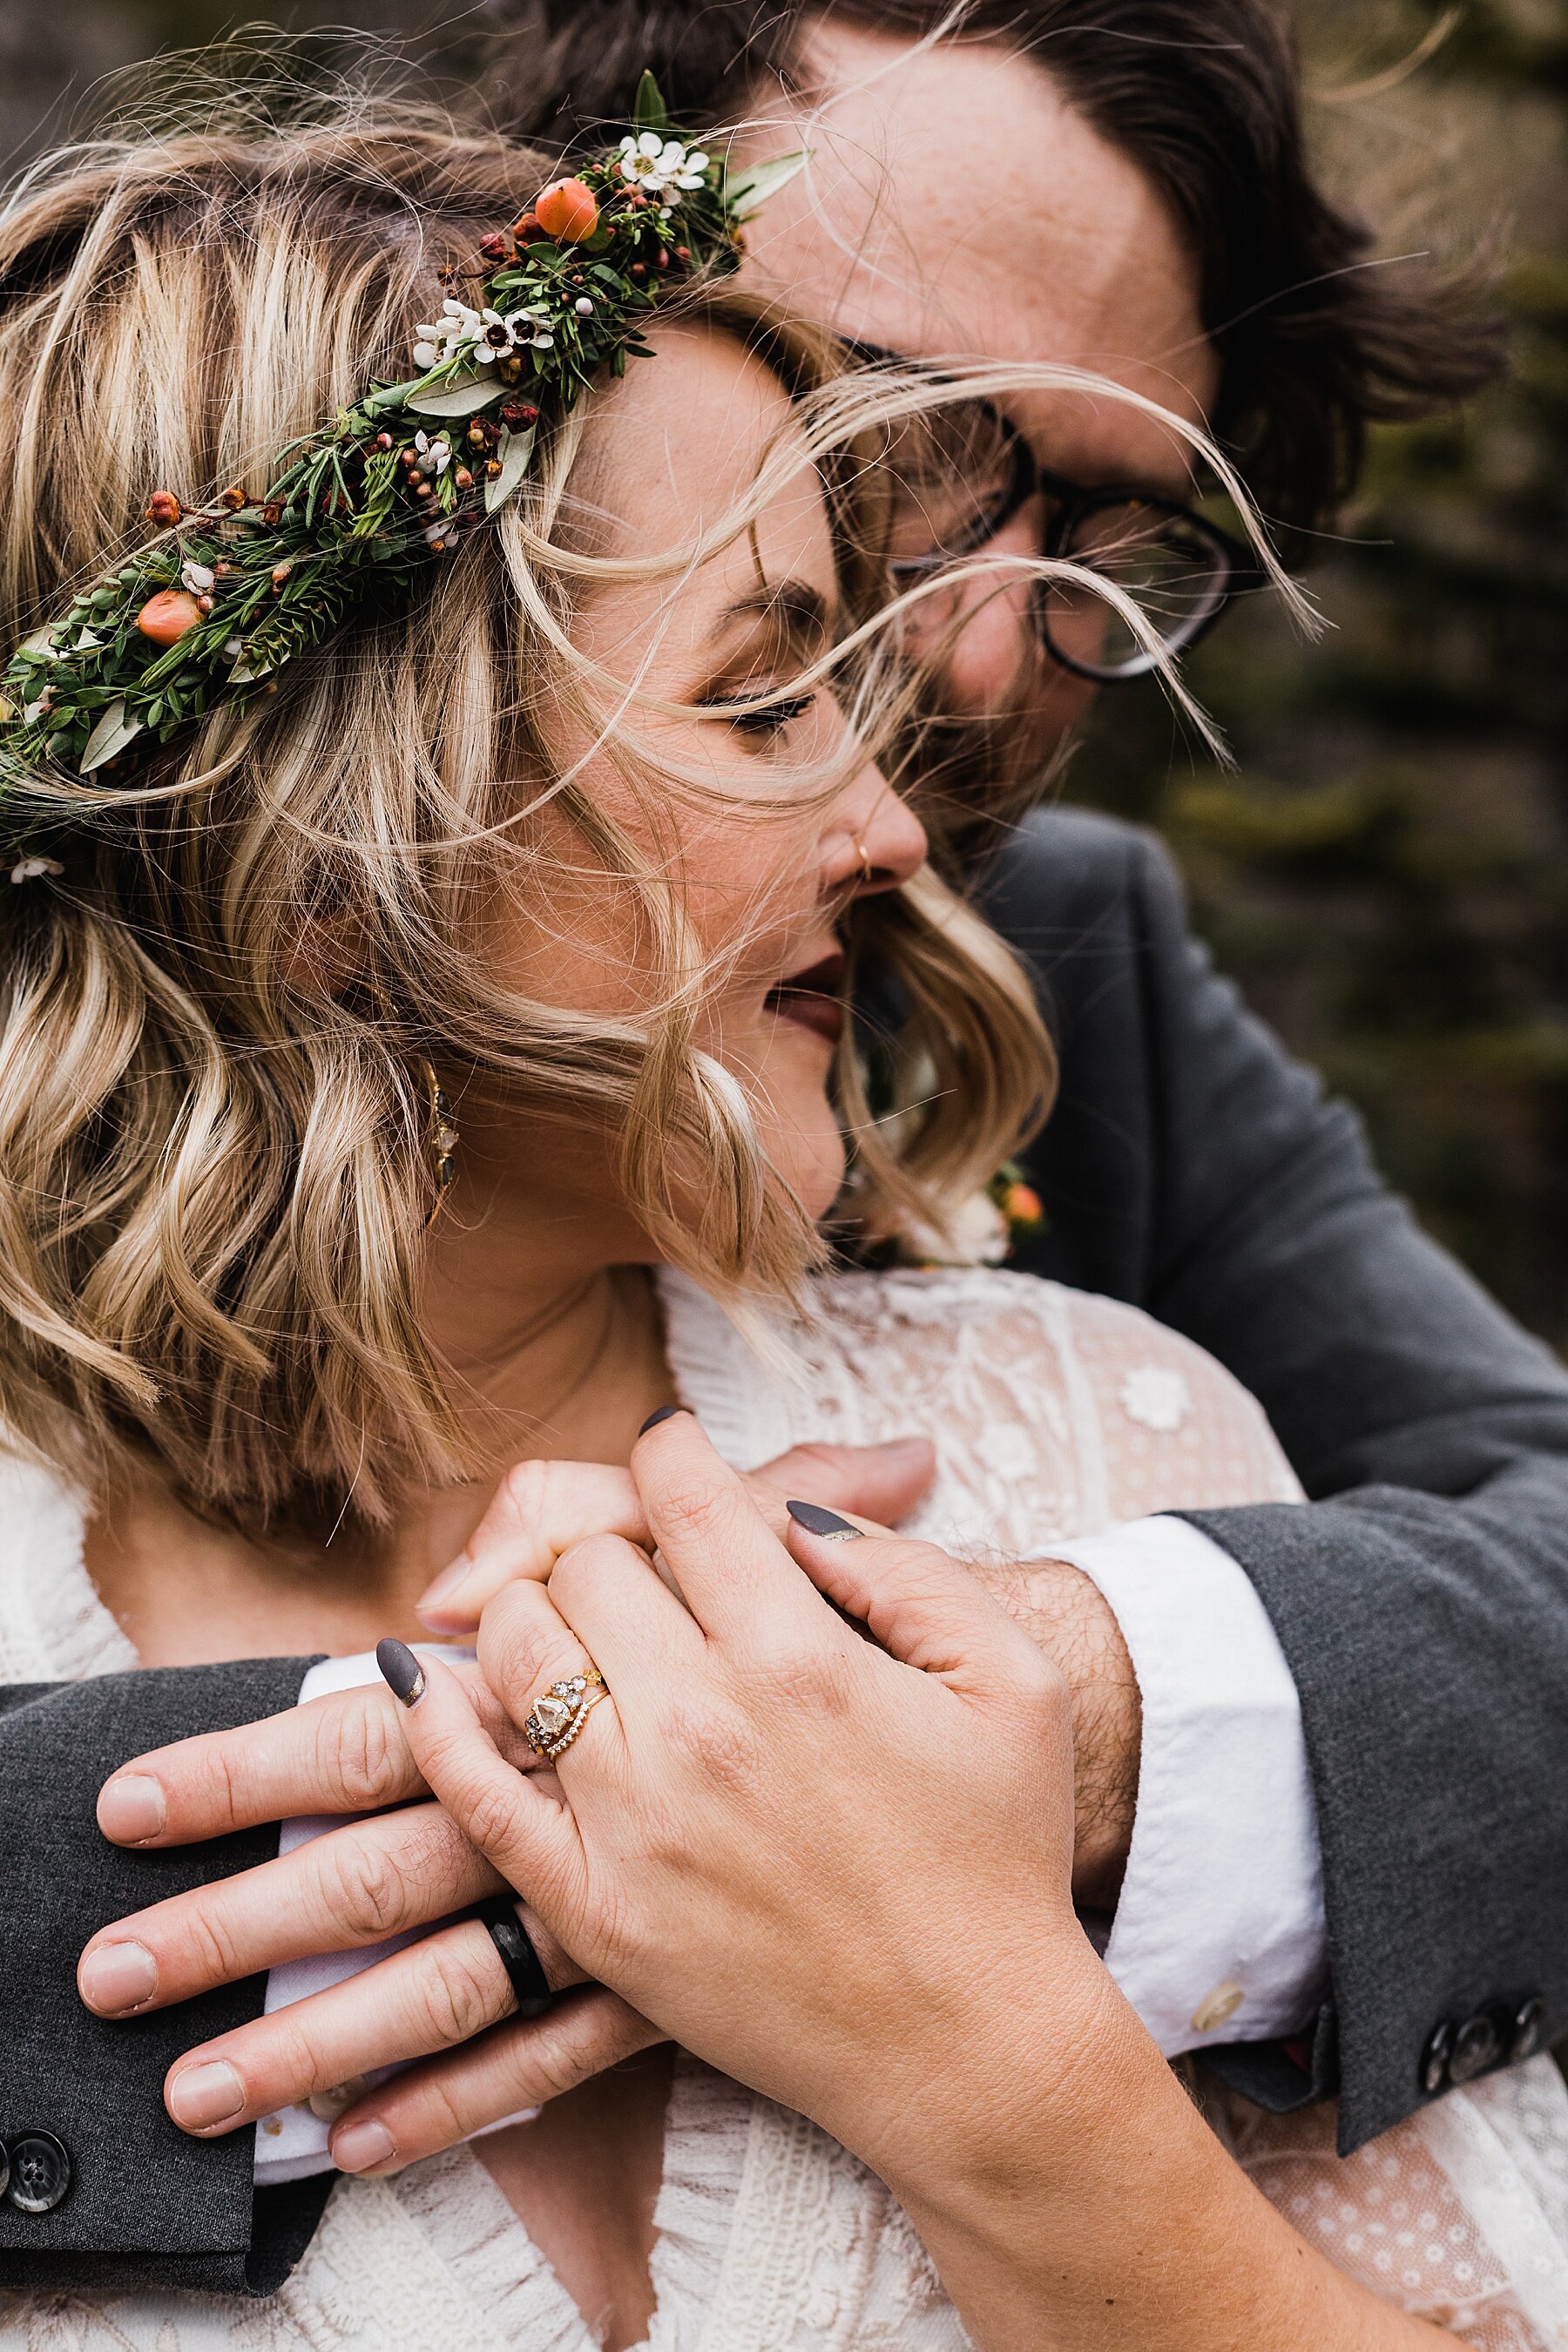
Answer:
(293, 2142)
(1218, 1934)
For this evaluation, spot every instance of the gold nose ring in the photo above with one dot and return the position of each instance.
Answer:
(864, 856)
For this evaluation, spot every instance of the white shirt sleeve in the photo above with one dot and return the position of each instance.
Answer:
(1219, 1933)
(293, 2142)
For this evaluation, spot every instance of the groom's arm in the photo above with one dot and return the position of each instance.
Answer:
(129, 2199)
(1421, 1600)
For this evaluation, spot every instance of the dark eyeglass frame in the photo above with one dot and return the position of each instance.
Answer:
(1069, 503)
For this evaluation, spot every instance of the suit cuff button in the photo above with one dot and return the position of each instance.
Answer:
(1527, 2030)
(1477, 2046)
(1435, 2059)
(39, 2172)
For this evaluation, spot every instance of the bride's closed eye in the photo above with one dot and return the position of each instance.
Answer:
(765, 723)
(771, 720)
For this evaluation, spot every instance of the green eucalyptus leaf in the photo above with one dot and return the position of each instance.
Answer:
(464, 399)
(515, 450)
(749, 190)
(110, 735)
(649, 111)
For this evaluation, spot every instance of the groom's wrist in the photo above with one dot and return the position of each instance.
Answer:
(1065, 1611)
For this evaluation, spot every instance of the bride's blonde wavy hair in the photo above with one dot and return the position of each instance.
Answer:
(214, 1173)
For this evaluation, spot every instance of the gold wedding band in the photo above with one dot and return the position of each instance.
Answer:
(558, 1717)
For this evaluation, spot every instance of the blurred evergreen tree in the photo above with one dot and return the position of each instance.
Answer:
(1386, 871)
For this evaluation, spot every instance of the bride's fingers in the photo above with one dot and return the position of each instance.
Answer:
(525, 1644)
(438, 1993)
(523, 1828)
(541, 1509)
(733, 1570)
(641, 1638)
(923, 1607)
(515, 2066)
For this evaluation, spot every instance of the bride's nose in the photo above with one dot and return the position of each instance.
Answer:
(872, 840)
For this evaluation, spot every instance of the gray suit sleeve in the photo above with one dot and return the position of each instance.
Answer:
(1422, 1598)
(146, 2206)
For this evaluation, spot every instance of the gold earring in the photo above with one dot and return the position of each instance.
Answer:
(441, 1138)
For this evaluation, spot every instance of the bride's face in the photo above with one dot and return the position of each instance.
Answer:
(765, 856)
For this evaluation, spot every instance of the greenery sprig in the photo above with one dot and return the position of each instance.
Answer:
(234, 590)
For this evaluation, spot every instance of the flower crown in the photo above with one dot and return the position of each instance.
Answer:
(231, 592)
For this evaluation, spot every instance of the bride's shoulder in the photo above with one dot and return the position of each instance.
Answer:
(1033, 1385)
(1045, 1404)
(993, 1313)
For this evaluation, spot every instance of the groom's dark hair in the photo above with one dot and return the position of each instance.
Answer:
(1315, 339)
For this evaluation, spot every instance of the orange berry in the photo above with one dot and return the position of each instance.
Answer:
(568, 211)
(167, 616)
(1023, 1205)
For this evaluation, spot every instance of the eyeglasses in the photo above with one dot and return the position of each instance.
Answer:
(961, 474)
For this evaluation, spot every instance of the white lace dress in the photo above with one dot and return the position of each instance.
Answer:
(1053, 1414)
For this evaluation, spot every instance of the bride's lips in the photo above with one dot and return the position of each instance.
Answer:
(810, 998)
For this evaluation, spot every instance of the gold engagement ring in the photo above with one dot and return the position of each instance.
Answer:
(558, 1717)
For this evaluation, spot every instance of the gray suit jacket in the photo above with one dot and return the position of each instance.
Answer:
(1421, 1599)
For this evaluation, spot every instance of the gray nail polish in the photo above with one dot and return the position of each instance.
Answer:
(664, 1412)
(400, 1669)
(826, 1524)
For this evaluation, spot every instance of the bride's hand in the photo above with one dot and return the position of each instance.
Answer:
(839, 1871)
(541, 1509)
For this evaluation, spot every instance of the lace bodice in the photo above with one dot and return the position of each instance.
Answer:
(1053, 1414)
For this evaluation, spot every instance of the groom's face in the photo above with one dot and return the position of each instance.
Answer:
(958, 207)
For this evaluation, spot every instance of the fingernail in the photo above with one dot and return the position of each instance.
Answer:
(359, 2146)
(445, 1588)
(665, 1413)
(400, 1670)
(819, 1522)
(132, 1808)
(117, 1977)
(205, 2095)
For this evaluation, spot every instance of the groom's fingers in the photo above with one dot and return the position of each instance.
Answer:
(439, 1992)
(515, 2066)
(357, 1886)
(341, 1754)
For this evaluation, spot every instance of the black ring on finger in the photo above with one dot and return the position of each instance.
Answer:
(517, 1957)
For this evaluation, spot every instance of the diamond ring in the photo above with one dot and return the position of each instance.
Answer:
(560, 1715)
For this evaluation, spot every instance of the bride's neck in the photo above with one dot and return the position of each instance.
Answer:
(560, 1358)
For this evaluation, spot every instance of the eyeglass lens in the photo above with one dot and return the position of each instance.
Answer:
(956, 477)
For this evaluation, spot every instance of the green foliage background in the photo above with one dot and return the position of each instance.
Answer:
(1385, 870)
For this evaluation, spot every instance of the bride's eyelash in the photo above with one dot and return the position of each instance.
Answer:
(772, 720)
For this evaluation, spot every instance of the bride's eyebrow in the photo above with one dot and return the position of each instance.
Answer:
(795, 613)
